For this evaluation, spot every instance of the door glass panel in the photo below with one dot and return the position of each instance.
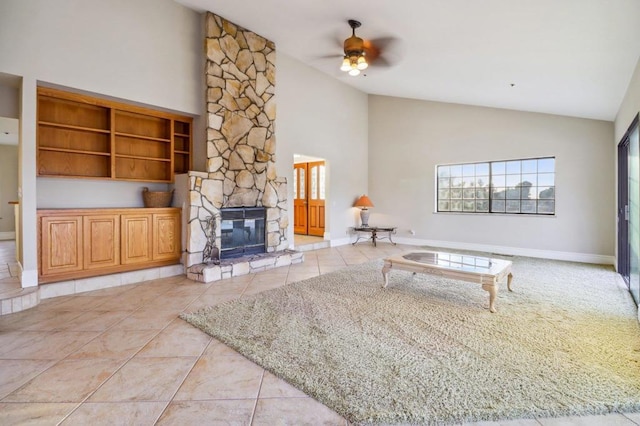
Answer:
(322, 185)
(314, 183)
(634, 214)
(295, 184)
(302, 185)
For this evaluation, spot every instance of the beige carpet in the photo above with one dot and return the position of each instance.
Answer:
(426, 350)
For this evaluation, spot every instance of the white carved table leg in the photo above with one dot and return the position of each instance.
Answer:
(385, 273)
(493, 292)
(509, 278)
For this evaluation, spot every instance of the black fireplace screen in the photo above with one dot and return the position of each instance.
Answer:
(243, 231)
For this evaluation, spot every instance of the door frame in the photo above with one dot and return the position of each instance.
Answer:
(298, 203)
(623, 214)
(307, 159)
(624, 260)
(316, 207)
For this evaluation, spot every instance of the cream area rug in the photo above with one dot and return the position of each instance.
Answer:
(426, 349)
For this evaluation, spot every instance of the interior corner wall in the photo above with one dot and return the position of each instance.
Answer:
(321, 117)
(408, 138)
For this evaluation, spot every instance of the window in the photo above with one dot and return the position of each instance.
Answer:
(513, 186)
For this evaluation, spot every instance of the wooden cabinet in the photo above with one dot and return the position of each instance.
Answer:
(101, 241)
(166, 236)
(61, 240)
(83, 136)
(136, 238)
(88, 242)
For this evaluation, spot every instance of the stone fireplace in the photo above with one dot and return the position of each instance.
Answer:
(242, 232)
(241, 169)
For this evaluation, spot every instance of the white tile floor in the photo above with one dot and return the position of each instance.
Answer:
(122, 356)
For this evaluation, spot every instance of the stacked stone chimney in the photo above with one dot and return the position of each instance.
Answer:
(241, 146)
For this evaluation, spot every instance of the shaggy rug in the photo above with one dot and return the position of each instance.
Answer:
(426, 349)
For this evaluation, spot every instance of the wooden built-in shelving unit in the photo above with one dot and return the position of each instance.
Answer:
(85, 137)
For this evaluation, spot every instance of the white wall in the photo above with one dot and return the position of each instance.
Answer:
(143, 51)
(408, 138)
(630, 106)
(9, 108)
(319, 116)
(8, 187)
(8, 100)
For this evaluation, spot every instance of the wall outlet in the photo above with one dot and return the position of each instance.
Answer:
(412, 232)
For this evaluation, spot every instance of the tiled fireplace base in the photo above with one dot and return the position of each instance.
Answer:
(208, 272)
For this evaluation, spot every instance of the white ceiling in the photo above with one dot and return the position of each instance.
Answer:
(567, 57)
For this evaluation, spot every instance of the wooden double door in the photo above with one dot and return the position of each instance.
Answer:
(309, 191)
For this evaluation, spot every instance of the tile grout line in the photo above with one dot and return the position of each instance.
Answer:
(255, 404)
(126, 360)
(185, 377)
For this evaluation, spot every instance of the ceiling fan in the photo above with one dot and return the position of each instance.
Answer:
(359, 54)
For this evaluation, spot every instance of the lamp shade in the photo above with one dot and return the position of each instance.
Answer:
(363, 201)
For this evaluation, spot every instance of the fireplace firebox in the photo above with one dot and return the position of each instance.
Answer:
(242, 231)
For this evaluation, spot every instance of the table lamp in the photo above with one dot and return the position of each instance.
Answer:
(364, 202)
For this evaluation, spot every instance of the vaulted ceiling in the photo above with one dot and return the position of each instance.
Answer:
(568, 57)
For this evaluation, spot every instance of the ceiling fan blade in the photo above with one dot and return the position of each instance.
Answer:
(385, 43)
(383, 52)
(332, 56)
(382, 62)
(371, 50)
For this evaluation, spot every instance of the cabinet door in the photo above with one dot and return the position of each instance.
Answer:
(166, 236)
(101, 241)
(135, 231)
(61, 239)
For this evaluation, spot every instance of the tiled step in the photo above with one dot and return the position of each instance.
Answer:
(313, 246)
(14, 298)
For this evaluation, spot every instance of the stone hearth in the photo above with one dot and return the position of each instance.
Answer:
(241, 148)
(243, 265)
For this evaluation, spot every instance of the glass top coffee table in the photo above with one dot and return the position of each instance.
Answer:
(486, 271)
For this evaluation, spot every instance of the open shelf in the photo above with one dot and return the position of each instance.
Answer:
(131, 168)
(73, 164)
(181, 146)
(72, 127)
(83, 136)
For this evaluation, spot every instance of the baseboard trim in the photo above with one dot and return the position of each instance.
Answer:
(514, 251)
(340, 242)
(7, 236)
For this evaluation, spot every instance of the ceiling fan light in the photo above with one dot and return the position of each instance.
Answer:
(354, 71)
(362, 63)
(346, 64)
